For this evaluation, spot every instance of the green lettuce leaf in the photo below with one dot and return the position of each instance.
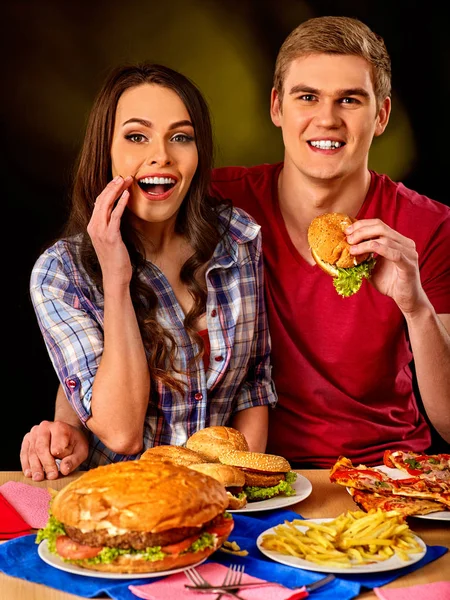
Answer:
(264, 493)
(348, 281)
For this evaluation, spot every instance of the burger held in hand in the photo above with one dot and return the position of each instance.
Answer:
(232, 478)
(211, 441)
(331, 251)
(266, 475)
(137, 517)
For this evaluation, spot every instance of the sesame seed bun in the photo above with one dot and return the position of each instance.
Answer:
(175, 454)
(211, 441)
(256, 461)
(328, 243)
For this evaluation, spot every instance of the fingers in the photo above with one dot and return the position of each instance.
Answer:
(113, 192)
(374, 236)
(48, 442)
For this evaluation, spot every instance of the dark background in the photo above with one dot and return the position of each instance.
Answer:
(57, 52)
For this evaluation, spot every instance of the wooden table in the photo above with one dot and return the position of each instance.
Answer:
(326, 500)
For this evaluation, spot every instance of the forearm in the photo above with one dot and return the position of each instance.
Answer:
(121, 387)
(253, 423)
(430, 343)
(64, 410)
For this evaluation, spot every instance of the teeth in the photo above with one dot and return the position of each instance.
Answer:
(326, 144)
(157, 180)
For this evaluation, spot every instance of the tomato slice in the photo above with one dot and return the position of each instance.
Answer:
(179, 546)
(67, 548)
(223, 527)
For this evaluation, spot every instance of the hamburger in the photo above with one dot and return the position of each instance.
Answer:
(211, 441)
(330, 250)
(138, 516)
(266, 475)
(232, 478)
(177, 455)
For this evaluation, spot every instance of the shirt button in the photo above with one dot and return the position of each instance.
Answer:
(214, 313)
(198, 396)
(218, 358)
(72, 384)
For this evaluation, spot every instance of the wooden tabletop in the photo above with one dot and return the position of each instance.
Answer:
(326, 500)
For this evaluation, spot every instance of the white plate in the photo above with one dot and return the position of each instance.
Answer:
(291, 561)
(58, 563)
(442, 515)
(302, 487)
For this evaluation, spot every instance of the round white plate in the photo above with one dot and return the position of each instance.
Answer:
(291, 561)
(302, 487)
(58, 563)
(442, 515)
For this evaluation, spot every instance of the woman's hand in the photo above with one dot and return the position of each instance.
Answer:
(104, 231)
(396, 273)
(48, 441)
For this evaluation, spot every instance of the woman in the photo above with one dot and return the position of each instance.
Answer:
(152, 280)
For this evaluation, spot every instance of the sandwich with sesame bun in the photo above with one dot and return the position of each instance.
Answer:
(266, 475)
(140, 516)
(330, 250)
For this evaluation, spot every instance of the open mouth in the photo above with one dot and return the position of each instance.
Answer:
(156, 185)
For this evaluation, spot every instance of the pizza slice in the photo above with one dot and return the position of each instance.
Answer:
(403, 504)
(370, 479)
(425, 466)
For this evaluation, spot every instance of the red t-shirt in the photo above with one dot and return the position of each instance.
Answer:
(207, 350)
(341, 365)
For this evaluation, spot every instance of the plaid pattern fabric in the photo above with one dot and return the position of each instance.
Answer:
(69, 310)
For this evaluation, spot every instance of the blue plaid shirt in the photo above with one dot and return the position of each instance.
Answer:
(70, 314)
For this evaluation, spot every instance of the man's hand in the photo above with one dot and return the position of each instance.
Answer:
(396, 273)
(48, 441)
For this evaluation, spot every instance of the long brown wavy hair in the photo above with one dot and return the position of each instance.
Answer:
(197, 220)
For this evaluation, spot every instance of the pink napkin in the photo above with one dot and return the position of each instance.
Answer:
(29, 501)
(11, 523)
(439, 590)
(173, 587)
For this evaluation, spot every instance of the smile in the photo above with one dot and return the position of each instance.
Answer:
(326, 144)
(157, 186)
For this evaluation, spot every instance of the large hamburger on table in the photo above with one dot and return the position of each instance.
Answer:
(266, 475)
(137, 517)
(331, 251)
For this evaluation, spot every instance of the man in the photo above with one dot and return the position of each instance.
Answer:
(340, 365)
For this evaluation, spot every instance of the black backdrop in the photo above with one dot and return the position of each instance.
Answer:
(55, 54)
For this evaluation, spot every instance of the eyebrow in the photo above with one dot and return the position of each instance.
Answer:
(306, 89)
(149, 124)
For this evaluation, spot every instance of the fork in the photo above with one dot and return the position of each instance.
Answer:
(232, 580)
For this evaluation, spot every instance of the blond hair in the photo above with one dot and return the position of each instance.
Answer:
(336, 35)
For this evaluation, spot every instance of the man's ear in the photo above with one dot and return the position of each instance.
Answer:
(275, 107)
(383, 117)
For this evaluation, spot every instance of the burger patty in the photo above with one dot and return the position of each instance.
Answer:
(255, 479)
(139, 540)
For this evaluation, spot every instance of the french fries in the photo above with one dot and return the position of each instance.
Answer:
(353, 538)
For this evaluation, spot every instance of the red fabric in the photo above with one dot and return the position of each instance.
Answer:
(340, 365)
(11, 523)
(205, 337)
(32, 503)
